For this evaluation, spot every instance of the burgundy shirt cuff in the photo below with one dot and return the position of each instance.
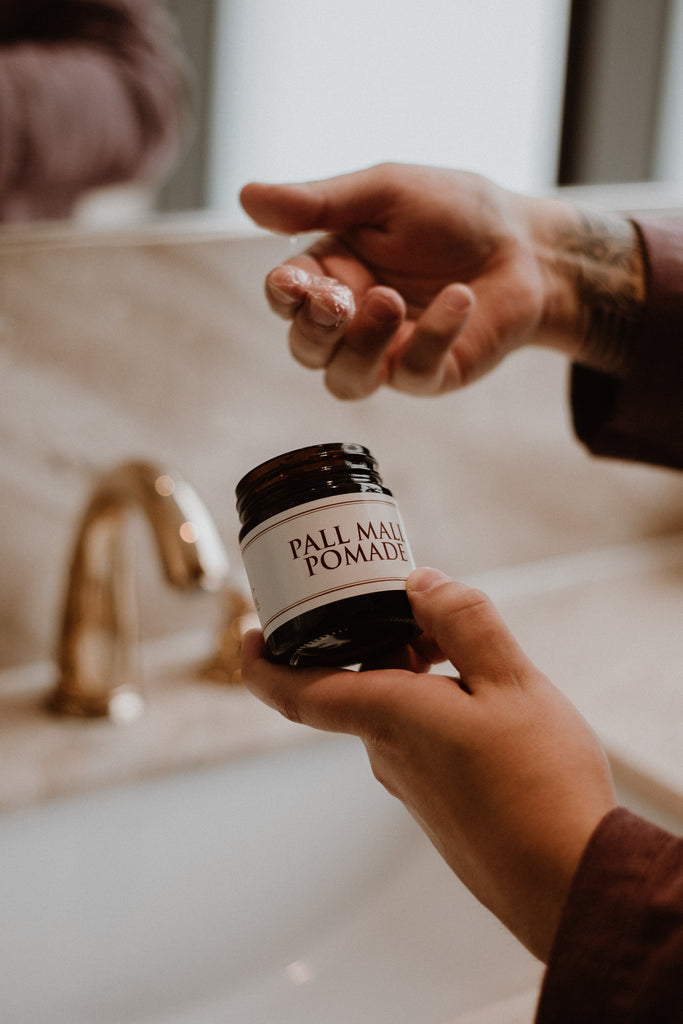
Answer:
(618, 953)
(641, 418)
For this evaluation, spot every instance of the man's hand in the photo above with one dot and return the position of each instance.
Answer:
(427, 277)
(499, 769)
(389, 295)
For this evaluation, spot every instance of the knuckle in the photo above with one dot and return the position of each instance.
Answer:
(474, 601)
(381, 746)
(413, 377)
(349, 389)
(466, 601)
(419, 369)
(287, 707)
(473, 598)
(391, 174)
(308, 351)
(384, 777)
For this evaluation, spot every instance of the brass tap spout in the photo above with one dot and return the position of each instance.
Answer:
(97, 651)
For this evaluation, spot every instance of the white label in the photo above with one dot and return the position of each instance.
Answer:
(323, 551)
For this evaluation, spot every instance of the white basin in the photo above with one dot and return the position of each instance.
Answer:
(283, 888)
(286, 888)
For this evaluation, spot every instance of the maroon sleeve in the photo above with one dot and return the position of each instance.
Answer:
(641, 418)
(92, 92)
(618, 954)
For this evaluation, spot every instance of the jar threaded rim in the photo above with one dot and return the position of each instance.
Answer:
(304, 474)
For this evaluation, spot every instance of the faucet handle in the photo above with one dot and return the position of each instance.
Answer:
(239, 616)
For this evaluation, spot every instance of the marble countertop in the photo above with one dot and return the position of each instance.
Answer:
(605, 626)
(519, 1009)
(189, 721)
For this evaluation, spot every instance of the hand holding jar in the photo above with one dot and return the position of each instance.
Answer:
(499, 769)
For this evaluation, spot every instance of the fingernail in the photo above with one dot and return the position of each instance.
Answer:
(330, 303)
(282, 296)
(322, 317)
(458, 298)
(421, 580)
(285, 280)
(381, 309)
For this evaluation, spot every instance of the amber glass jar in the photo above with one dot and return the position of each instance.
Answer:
(327, 557)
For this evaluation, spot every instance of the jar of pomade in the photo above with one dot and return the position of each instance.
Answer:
(327, 557)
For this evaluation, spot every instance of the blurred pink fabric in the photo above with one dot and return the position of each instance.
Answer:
(92, 93)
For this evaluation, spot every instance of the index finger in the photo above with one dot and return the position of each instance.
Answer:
(321, 698)
(334, 700)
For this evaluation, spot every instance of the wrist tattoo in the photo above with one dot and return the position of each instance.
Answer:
(605, 261)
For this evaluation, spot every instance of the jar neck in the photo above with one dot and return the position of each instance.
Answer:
(305, 475)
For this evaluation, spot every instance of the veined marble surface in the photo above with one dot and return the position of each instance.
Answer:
(520, 1009)
(625, 680)
(158, 344)
(189, 721)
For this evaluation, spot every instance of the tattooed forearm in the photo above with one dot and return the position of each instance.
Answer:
(603, 257)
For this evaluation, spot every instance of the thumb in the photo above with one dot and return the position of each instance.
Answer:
(328, 205)
(468, 629)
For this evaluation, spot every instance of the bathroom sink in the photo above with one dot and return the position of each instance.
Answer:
(283, 888)
(286, 887)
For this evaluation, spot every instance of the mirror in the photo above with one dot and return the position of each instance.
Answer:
(532, 94)
(341, 86)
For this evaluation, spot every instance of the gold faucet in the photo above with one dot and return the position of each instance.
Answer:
(97, 651)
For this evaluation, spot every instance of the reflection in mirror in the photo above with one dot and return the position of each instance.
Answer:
(624, 93)
(530, 94)
(342, 86)
(92, 95)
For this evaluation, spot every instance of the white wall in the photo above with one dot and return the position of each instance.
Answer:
(311, 88)
(669, 153)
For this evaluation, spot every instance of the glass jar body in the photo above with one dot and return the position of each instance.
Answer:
(326, 555)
